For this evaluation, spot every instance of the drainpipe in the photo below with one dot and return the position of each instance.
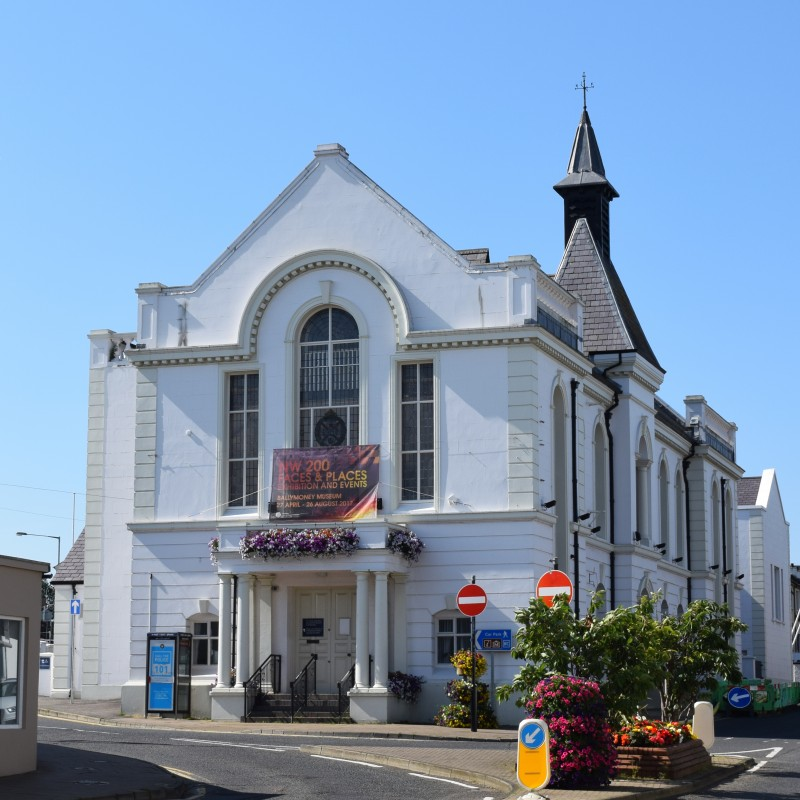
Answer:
(575, 538)
(685, 466)
(611, 516)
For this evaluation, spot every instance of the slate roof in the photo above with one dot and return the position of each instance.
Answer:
(748, 490)
(479, 255)
(671, 419)
(70, 570)
(609, 321)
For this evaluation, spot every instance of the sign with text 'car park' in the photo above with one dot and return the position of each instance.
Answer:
(553, 583)
(497, 639)
(471, 600)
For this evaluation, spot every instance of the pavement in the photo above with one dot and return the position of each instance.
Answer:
(66, 773)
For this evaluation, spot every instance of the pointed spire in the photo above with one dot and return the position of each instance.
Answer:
(586, 191)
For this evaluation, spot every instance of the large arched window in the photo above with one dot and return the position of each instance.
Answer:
(643, 461)
(600, 461)
(680, 517)
(560, 477)
(663, 509)
(329, 380)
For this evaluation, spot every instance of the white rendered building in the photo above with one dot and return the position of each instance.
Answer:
(515, 417)
(763, 534)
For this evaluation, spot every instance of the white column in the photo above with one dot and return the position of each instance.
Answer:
(362, 630)
(264, 611)
(399, 622)
(243, 629)
(224, 656)
(252, 650)
(381, 630)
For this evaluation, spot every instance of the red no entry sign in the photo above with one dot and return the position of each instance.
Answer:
(471, 599)
(552, 584)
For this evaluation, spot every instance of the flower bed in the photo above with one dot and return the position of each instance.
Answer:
(650, 748)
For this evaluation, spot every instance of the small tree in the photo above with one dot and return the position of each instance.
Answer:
(696, 648)
(627, 652)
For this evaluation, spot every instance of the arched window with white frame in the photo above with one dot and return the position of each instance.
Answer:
(329, 380)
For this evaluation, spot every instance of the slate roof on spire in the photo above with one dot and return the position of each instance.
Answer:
(585, 163)
(609, 321)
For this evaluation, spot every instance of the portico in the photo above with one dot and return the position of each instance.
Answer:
(346, 610)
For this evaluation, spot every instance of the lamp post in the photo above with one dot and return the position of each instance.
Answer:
(44, 536)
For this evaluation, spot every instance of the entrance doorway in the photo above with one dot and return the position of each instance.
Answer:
(325, 625)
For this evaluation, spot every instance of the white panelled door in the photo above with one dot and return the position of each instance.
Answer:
(325, 625)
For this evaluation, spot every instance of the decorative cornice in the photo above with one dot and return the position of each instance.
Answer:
(216, 354)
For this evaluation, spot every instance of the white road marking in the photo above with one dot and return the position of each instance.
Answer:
(80, 730)
(443, 780)
(232, 744)
(757, 766)
(773, 751)
(348, 761)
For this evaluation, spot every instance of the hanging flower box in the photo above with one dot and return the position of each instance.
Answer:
(299, 543)
(671, 762)
(405, 543)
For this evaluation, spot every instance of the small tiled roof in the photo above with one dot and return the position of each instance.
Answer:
(70, 570)
(479, 255)
(671, 419)
(609, 321)
(748, 490)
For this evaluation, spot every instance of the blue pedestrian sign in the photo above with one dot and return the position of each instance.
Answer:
(739, 697)
(75, 607)
(497, 639)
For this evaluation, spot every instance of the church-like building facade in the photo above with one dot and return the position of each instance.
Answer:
(341, 385)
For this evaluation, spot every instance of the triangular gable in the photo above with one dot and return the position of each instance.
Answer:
(332, 154)
(609, 321)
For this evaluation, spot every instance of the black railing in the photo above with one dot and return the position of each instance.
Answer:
(304, 685)
(559, 328)
(267, 678)
(344, 686)
(723, 448)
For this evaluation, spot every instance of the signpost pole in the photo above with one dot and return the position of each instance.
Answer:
(474, 704)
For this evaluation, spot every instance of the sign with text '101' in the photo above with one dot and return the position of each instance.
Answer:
(471, 600)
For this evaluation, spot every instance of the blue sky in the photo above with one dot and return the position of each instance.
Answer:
(138, 139)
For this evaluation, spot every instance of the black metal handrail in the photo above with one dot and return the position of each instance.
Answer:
(344, 686)
(266, 678)
(303, 685)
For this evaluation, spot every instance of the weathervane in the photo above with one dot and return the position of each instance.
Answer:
(585, 87)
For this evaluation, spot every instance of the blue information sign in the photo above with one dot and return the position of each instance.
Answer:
(161, 675)
(739, 697)
(160, 697)
(497, 639)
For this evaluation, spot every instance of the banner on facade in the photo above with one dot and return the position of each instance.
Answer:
(325, 483)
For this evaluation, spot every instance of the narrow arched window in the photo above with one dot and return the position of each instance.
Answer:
(329, 380)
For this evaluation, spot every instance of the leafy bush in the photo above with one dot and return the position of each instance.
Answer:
(582, 752)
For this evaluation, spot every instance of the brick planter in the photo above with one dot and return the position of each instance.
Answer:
(676, 761)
